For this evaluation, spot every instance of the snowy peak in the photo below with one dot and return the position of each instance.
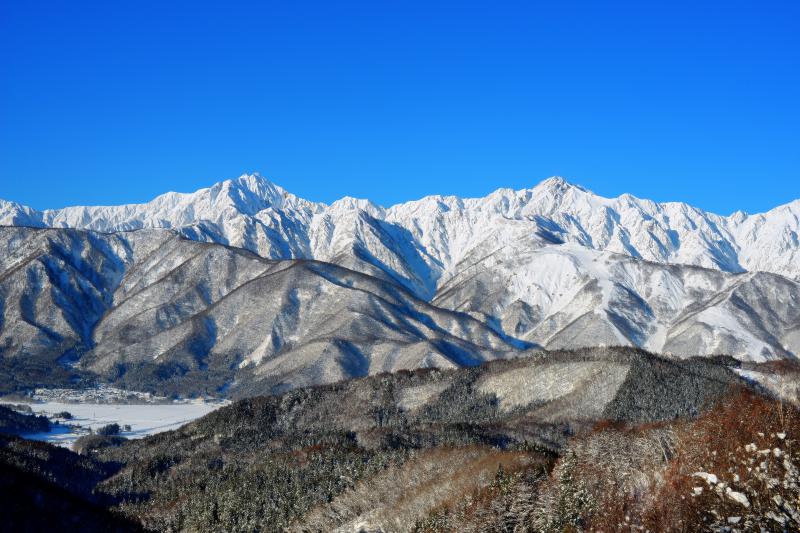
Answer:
(348, 203)
(555, 264)
(558, 186)
(424, 239)
(247, 195)
(14, 214)
(251, 193)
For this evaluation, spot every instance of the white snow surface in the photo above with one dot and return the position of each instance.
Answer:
(555, 264)
(145, 418)
(421, 241)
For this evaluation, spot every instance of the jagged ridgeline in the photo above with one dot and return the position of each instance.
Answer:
(246, 287)
(393, 447)
(151, 310)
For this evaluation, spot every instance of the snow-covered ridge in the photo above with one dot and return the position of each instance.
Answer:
(555, 265)
(419, 242)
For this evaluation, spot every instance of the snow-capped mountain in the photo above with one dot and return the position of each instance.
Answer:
(569, 296)
(421, 241)
(151, 310)
(555, 265)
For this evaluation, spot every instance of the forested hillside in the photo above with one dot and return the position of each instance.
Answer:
(507, 446)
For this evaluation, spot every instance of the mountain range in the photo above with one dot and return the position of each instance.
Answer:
(243, 286)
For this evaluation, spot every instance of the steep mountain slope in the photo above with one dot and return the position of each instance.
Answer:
(567, 296)
(149, 309)
(555, 265)
(424, 239)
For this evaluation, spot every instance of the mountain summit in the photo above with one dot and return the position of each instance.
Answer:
(554, 266)
(252, 212)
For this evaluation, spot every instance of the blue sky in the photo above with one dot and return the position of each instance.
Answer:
(113, 102)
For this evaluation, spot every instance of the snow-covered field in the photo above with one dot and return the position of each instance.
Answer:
(144, 419)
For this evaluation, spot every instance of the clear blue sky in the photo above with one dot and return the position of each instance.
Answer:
(113, 102)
